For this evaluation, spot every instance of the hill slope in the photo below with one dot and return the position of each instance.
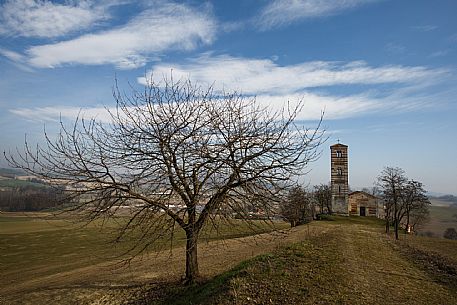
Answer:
(350, 263)
(345, 261)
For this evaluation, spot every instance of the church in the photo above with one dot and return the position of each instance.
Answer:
(344, 202)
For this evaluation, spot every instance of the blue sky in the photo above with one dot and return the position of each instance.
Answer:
(383, 71)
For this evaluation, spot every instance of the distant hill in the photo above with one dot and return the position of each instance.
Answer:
(449, 198)
(15, 183)
(444, 200)
(11, 172)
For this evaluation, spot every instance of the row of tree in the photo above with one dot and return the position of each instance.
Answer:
(300, 206)
(28, 198)
(405, 200)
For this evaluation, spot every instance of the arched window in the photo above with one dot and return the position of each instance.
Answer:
(339, 171)
(339, 154)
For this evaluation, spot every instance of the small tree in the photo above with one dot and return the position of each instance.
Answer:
(391, 181)
(450, 233)
(175, 153)
(323, 196)
(414, 203)
(404, 199)
(296, 207)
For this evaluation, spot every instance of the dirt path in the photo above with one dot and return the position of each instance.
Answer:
(377, 274)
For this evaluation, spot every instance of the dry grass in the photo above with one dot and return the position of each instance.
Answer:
(344, 261)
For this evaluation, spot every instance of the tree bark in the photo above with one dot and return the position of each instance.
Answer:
(191, 257)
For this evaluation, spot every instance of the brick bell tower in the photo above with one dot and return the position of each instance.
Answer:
(339, 178)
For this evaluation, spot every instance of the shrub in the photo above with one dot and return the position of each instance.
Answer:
(450, 233)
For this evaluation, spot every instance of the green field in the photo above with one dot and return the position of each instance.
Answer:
(14, 183)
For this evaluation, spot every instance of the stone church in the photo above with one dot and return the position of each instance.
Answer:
(343, 202)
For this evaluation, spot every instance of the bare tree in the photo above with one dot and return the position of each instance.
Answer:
(323, 196)
(391, 181)
(414, 203)
(404, 199)
(176, 153)
(296, 208)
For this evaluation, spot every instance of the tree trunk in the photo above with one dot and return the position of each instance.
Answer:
(407, 222)
(396, 228)
(387, 226)
(191, 257)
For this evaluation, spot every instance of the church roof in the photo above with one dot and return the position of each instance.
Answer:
(364, 193)
(338, 145)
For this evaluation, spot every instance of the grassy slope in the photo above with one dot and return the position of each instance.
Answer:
(351, 263)
(441, 218)
(345, 261)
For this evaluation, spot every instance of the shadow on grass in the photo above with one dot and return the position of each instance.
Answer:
(202, 292)
(366, 220)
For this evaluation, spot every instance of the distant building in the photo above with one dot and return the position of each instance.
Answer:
(364, 204)
(339, 178)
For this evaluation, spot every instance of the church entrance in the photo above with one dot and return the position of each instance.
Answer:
(362, 211)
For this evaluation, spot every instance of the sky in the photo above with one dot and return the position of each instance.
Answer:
(383, 72)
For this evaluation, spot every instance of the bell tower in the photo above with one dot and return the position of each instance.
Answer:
(339, 178)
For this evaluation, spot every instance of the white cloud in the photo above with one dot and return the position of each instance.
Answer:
(166, 26)
(11, 55)
(43, 18)
(40, 114)
(284, 12)
(334, 107)
(274, 86)
(264, 76)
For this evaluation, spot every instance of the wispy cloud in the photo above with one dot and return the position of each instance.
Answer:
(55, 113)
(395, 48)
(440, 53)
(263, 76)
(424, 28)
(45, 19)
(11, 55)
(274, 85)
(16, 58)
(166, 26)
(284, 12)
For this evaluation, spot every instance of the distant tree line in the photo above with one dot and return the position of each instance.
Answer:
(28, 198)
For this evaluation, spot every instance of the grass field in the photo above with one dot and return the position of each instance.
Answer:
(13, 183)
(338, 261)
(36, 245)
(441, 218)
